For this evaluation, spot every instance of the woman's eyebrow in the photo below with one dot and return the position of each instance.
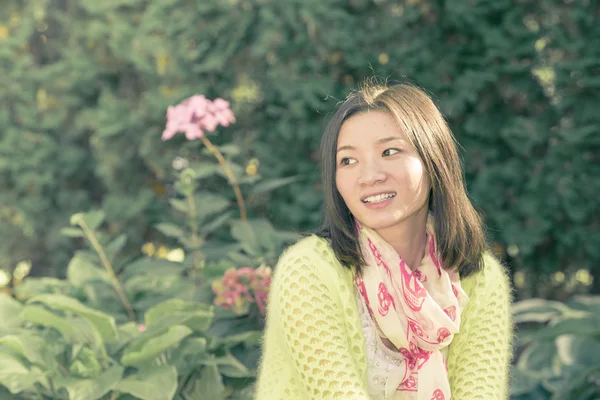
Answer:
(380, 141)
(345, 148)
(389, 139)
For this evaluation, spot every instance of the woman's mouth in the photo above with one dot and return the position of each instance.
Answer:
(378, 198)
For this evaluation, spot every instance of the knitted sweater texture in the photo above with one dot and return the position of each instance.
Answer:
(313, 347)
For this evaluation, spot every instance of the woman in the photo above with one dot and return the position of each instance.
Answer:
(397, 296)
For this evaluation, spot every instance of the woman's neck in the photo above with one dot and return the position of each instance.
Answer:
(408, 238)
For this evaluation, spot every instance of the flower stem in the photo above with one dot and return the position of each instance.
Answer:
(194, 228)
(234, 184)
(111, 273)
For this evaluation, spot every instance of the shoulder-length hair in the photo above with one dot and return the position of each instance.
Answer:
(458, 227)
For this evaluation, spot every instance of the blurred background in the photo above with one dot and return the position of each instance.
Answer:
(84, 88)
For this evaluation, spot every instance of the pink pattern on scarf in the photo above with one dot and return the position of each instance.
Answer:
(409, 317)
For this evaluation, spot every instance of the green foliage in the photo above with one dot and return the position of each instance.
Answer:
(559, 349)
(150, 333)
(85, 85)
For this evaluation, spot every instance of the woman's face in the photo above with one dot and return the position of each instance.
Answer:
(379, 174)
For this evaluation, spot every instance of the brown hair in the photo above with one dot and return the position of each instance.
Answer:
(458, 227)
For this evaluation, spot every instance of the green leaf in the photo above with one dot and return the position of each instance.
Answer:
(146, 349)
(228, 366)
(92, 219)
(243, 232)
(575, 350)
(571, 326)
(25, 345)
(39, 315)
(103, 323)
(32, 287)
(154, 383)
(72, 232)
(170, 230)
(272, 184)
(249, 338)
(230, 150)
(15, 376)
(197, 316)
(179, 205)
(523, 382)
(540, 359)
(86, 364)
(91, 389)
(204, 169)
(208, 203)
(188, 355)
(116, 246)
(9, 313)
(538, 310)
(216, 223)
(151, 267)
(81, 270)
(209, 385)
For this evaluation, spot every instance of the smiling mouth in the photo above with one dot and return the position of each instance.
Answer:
(379, 198)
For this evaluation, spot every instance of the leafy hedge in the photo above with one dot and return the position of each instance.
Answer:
(85, 84)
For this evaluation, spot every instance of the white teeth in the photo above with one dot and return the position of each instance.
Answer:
(378, 198)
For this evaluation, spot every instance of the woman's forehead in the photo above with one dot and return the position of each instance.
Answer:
(374, 127)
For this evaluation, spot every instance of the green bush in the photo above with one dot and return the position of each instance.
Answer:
(150, 328)
(84, 87)
(558, 349)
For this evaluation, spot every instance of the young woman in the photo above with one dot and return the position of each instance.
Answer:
(397, 296)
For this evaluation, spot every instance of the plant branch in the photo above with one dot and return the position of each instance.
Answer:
(194, 228)
(229, 172)
(107, 265)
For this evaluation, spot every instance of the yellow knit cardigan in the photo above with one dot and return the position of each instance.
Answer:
(313, 347)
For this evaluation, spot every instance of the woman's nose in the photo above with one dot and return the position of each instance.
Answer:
(371, 173)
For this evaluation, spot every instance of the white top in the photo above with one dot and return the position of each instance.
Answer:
(382, 362)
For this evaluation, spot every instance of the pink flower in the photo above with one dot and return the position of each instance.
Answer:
(141, 327)
(240, 288)
(196, 114)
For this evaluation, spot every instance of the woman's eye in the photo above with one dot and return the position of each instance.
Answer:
(390, 152)
(347, 161)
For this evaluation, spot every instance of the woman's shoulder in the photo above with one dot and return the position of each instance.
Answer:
(312, 247)
(493, 276)
(310, 256)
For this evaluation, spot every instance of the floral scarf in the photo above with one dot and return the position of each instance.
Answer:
(418, 312)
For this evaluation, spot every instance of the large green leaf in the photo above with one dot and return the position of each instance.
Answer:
(228, 366)
(572, 326)
(41, 316)
(272, 184)
(540, 359)
(115, 246)
(91, 389)
(197, 316)
(150, 267)
(146, 348)
(32, 287)
(537, 310)
(9, 313)
(26, 345)
(243, 232)
(188, 355)
(16, 376)
(170, 230)
(103, 323)
(82, 270)
(523, 382)
(208, 386)
(207, 203)
(575, 350)
(153, 383)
